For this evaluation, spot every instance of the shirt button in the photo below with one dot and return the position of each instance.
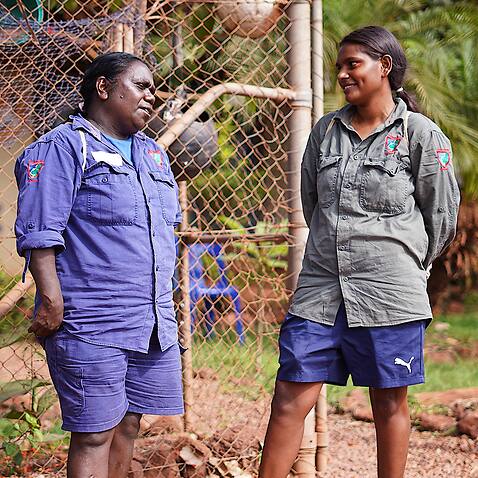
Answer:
(104, 180)
(346, 279)
(356, 156)
(154, 233)
(345, 217)
(342, 248)
(441, 209)
(348, 185)
(31, 225)
(157, 268)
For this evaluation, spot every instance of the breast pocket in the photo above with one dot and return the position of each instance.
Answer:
(166, 189)
(110, 195)
(385, 185)
(327, 173)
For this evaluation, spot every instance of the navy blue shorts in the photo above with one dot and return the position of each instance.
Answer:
(97, 385)
(378, 357)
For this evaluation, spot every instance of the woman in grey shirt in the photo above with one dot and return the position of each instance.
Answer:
(381, 201)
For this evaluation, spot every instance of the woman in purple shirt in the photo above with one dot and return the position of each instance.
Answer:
(97, 208)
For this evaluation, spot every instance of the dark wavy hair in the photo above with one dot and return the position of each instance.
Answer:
(109, 65)
(376, 42)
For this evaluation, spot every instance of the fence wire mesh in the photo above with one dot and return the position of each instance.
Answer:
(231, 164)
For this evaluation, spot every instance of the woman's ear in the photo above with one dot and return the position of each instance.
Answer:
(101, 88)
(387, 64)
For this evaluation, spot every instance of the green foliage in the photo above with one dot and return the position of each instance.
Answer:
(439, 38)
(267, 256)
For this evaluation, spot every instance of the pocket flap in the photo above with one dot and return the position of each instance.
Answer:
(162, 176)
(390, 166)
(103, 168)
(326, 161)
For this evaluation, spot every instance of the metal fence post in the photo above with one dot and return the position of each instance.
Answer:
(317, 112)
(299, 79)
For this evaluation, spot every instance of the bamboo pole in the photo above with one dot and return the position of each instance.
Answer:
(317, 112)
(185, 313)
(128, 39)
(139, 28)
(118, 37)
(299, 79)
(10, 299)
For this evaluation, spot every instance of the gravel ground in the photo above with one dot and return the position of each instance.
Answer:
(352, 453)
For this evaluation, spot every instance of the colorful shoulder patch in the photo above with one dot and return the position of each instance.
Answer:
(444, 158)
(391, 144)
(33, 170)
(158, 157)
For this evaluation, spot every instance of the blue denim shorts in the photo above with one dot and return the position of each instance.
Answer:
(378, 357)
(97, 385)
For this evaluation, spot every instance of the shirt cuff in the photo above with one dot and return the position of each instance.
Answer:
(40, 240)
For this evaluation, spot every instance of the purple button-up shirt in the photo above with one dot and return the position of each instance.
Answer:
(112, 225)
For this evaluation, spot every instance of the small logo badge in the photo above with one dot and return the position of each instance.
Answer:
(444, 158)
(33, 169)
(158, 157)
(391, 144)
(399, 361)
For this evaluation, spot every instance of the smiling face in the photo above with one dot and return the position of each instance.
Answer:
(129, 101)
(360, 76)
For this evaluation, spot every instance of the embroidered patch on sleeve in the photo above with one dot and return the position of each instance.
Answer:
(391, 144)
(157, 156)
(444, 158)
(33, 170)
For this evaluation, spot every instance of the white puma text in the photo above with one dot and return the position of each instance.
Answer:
(399, 361)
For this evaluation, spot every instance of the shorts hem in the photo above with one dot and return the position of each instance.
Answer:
(83, 428)
(157, 411)
(308, 378)
(405, 382)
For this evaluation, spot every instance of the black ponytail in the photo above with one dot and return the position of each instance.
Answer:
(409, 99)
(377, 42)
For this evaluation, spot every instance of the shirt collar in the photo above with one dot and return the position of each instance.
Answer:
(80, 122)
(344, 115)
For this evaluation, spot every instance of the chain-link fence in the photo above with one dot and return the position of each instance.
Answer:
(225, 113)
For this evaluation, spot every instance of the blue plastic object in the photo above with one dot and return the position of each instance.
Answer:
(211, 294)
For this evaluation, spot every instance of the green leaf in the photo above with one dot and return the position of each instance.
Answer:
(11, 449)
(19, 387)
(46, 400)
(31, 420)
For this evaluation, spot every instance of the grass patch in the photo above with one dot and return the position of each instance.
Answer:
(461, 327)
(250, 369)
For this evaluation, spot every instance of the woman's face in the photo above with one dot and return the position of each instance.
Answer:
(130, 101)
(359, 75)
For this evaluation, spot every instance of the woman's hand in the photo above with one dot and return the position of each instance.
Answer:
(48, 317)
(49, 314)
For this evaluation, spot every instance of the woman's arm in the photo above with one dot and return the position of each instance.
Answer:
(49, 315)
(436, 190)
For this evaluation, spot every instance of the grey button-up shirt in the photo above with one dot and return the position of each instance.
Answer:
(379, 210)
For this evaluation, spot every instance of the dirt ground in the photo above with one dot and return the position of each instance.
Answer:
(231, 428)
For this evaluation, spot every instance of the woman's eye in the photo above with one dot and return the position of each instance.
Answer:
(353, 64)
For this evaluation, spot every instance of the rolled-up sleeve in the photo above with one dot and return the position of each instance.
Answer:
(436, 191)
(48, 178)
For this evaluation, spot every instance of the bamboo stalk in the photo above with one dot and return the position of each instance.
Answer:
(118, 37)
(10, 299)
(185, 312)
(128, 39)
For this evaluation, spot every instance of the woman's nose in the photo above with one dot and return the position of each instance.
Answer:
(342, 73)
(149, 96)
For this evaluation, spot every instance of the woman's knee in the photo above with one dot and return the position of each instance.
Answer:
(91, 440)
(293, 399)
(387, 402)
(129, 426)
